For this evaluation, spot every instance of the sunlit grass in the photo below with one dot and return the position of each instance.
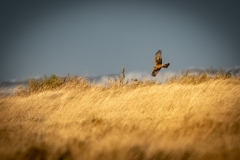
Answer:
(192, 116)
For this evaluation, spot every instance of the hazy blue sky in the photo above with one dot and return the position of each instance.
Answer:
(99, 37)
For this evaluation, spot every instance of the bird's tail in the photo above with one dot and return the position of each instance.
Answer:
(166, 65)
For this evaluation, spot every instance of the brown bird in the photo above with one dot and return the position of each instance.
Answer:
(158, 63)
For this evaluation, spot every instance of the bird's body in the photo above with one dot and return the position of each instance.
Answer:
(158, 63)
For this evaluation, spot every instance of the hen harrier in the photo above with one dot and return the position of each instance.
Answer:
(158, 63)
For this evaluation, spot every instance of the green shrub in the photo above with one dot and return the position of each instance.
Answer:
(45, 83)
(51, 83)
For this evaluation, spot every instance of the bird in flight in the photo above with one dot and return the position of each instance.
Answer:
(158, 63)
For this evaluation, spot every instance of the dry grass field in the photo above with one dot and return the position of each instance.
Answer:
(186, 119)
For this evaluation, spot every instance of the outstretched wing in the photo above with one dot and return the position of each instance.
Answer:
(157, 62)
(155, 72)
(158, 58)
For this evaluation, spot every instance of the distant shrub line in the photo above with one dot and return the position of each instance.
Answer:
(53, 82)
(191, 78)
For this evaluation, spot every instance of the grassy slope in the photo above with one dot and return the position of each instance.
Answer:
(169, 121)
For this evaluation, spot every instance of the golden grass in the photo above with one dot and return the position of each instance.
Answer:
(146, 121)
